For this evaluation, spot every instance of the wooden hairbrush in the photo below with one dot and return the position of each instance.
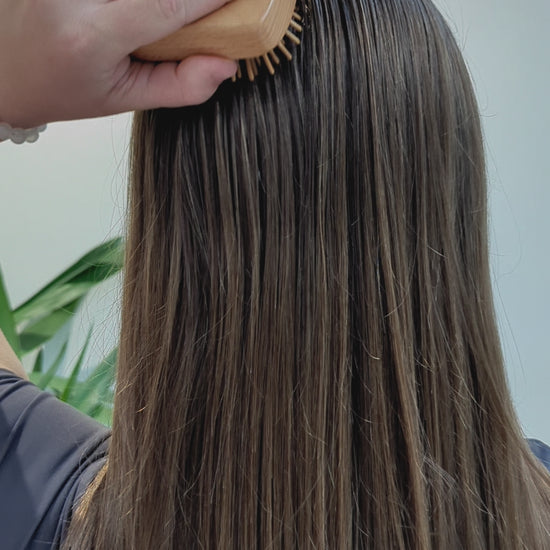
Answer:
(248, 30)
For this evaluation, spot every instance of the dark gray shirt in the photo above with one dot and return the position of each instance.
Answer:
(49, 453)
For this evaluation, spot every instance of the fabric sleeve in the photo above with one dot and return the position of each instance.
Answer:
(541, 451)
(49, 453)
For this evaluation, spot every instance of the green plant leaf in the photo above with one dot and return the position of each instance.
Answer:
(93, 268)
(48, 376)
(38, 366)
(41, 318)
(75, 371)
(97, 389)
(55, 385)
(104, 415)
(39, 332)
(7, 321)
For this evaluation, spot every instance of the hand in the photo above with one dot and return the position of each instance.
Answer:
(70, 59)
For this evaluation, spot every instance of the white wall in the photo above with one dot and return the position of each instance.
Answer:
(65, 194)
(507, 46)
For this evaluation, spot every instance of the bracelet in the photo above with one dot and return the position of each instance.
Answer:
(19, 135)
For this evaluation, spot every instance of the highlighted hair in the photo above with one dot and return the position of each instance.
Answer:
(309, 356)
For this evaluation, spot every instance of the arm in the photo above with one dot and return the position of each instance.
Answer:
(8, 359)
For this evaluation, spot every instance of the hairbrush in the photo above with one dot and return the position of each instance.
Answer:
(246, 30)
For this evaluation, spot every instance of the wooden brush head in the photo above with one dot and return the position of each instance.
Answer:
(239, 30)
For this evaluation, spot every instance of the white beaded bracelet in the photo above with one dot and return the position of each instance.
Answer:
(19, 135)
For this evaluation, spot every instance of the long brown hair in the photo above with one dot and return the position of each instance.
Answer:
(309, 356)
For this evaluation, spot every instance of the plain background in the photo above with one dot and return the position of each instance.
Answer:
(65, 194)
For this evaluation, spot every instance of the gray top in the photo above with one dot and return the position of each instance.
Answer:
(541, 451)
(49, 453)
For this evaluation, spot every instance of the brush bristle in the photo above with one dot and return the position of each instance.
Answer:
(270, 59)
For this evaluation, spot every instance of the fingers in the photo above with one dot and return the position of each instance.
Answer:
(136, 23)
(190, 82)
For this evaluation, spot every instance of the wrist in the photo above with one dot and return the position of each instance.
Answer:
(18, 120)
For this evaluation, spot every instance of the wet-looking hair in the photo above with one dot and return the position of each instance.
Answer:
(309, 357)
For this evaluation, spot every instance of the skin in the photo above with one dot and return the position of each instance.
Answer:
(70, 59)
(8, 359)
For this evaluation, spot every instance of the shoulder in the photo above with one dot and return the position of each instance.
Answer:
(541, 451)
(49, 452)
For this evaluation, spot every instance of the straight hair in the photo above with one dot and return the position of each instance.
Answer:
(309, 357)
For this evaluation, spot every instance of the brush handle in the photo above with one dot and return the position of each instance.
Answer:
(241, 29)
